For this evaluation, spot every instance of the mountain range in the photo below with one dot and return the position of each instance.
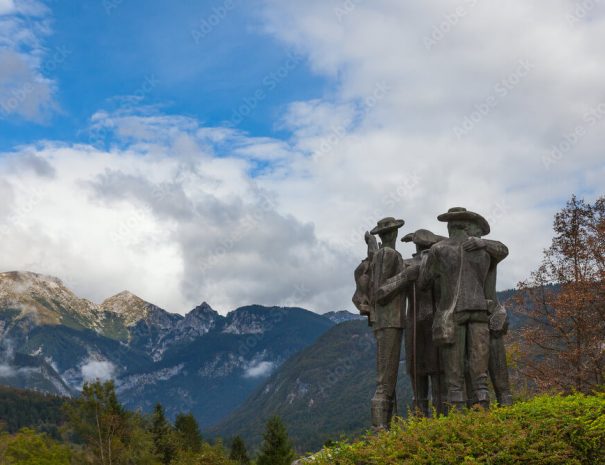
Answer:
(321, 393)
(232, 372)
(202, 362)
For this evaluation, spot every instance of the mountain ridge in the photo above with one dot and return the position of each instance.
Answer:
(202, 361)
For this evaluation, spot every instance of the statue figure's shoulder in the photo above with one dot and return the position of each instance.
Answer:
(390, 253)
(441, 246)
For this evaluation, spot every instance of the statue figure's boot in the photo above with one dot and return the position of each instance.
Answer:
(382, 412)
(423, 407)
(456, 400)
(481, 397)
(505, 399)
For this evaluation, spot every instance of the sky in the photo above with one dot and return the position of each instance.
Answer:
(235, 152)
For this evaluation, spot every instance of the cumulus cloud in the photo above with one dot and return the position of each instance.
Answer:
(165, 218)
(259, 370)
(6, 7)
(26, 90)
(437, 104)
(98, 370)
(432, 104)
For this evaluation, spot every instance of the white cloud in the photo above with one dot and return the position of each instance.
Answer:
(164, 218)
(170, 211)
(7, 371)
(259, 370)
(526, 74)
(98, 370)
(7, 7)
(26, 90)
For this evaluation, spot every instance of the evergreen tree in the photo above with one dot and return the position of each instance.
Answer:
(189, 432)
(162, 433)
(239, 454)
(276, 448)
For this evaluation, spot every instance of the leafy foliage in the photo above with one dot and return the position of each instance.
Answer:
(564, 303)
(547, 430)
(112, 435)
(30, 448)
(209, 455)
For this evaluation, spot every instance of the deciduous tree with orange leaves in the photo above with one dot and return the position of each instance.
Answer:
(563, 339)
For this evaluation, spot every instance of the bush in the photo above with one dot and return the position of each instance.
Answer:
(546, 430)
(30, 448)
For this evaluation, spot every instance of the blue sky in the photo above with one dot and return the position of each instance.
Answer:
(168, 53)
(235, 152)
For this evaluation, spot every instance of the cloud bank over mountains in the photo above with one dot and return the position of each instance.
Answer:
(498, 108)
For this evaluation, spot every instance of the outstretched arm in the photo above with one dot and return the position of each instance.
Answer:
(496, 249)
(397, 283)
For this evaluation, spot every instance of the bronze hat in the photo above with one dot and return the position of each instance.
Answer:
(462, 214)
(387, 224)
(423, 238)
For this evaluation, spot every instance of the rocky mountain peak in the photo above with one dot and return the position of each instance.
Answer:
(251, 319)
(130, 307)
(45, 300)
(204, 310)
(341, 316)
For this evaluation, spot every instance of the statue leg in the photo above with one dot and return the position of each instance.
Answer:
(439, 393)
(498, 370)
(421, 398)
(388, 350)
(453, 356)
(478, 357)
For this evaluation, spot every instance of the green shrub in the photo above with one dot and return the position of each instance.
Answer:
(547, 430)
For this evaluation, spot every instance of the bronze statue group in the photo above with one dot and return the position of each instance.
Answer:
(443, 303)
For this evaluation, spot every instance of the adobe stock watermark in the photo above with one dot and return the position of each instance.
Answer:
(249, 223)
(17, 219)
(499, 91)
(391, 201)
(338, 132)
(299, 294)
(581, 9)
(346, 8)
(269, 83)
(447, 23)
(207, 24)
(497, 212)
(141, 219)
(99, 132)
(110, 5)
(556, 153)
(16, 97)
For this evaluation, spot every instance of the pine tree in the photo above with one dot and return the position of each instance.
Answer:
(239, 454)
(162, 432)
(189, 432)
(276, 448)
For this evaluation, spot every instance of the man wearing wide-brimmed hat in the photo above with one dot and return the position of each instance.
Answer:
(498, 320)
(387, 320)
(422, 354)
(460, 266)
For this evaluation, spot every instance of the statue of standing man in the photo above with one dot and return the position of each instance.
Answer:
(460, 267)
(387, 318)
